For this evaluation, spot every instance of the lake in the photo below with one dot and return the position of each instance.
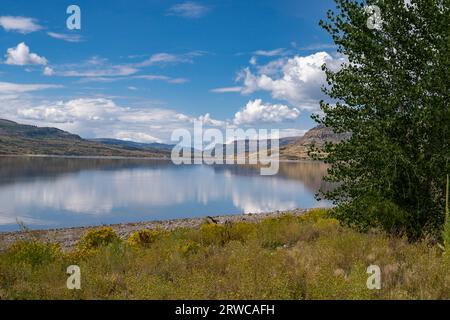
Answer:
(45, 192)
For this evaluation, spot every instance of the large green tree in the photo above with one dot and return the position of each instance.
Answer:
(393, 97)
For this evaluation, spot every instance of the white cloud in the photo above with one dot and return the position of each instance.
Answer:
(292, 132)
(318, 46)
(106, 71)
(297, 80)
(152, 77)
(256, 112)
(97, 68)
(270, 53)
(207, 120)
(72, 110)
(48, 71)
(13, 88)
(149, 77)
(19, 24)
(226, 90)
(164, 58)
(161, 58)
(22, 56)
(178, 80)
(101, 70)
(188, 9)
(66, 37)
(102, 117)
(136, 136)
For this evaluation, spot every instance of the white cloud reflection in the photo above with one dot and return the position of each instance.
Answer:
(148, 191)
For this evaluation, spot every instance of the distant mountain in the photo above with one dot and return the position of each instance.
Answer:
(247, 142)
(317, 136)
(20, 139)
(132, 145)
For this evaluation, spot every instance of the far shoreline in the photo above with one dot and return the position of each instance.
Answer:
(130, 158)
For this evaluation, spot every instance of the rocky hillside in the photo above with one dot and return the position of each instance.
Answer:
(317, 136)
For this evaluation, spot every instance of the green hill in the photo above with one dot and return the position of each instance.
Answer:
(20, 139)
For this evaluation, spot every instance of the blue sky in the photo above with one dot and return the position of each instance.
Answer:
(138, 70)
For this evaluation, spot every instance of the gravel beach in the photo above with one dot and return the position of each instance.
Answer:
(67, 238)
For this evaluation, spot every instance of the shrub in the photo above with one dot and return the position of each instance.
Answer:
(97, 238)
(241, 231)
(384, 214)
(144, 238)
(189, 247)
(277, 232)
(211, 233)
(34, 253)
(313, 215)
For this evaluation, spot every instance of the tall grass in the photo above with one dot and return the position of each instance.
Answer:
(291, 257)
(446, 231)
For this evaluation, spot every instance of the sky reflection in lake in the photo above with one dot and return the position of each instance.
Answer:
(57, 192)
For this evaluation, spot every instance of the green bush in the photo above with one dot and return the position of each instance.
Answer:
(277, 232)
(312, 215)
(241, 231)
(144, 238)
(369, 212)
(189, 247)
(97, 238)
(34, 253)
(212, 233)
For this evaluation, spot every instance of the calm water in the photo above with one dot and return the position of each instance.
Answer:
(57, 192)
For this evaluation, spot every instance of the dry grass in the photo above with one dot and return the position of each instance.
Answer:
(309, 257)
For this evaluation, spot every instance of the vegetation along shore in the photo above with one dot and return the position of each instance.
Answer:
(289, 255)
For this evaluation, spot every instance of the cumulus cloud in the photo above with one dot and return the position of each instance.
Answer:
(188, 9)
(207, 120)
(66, 37)
(102, 117)
(19, 24)
(21, 56)
(297, 80)
(256, 111)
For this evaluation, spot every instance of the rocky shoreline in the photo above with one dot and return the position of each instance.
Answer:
(67, 238)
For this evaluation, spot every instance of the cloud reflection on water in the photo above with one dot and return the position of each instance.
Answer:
(45, 192)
